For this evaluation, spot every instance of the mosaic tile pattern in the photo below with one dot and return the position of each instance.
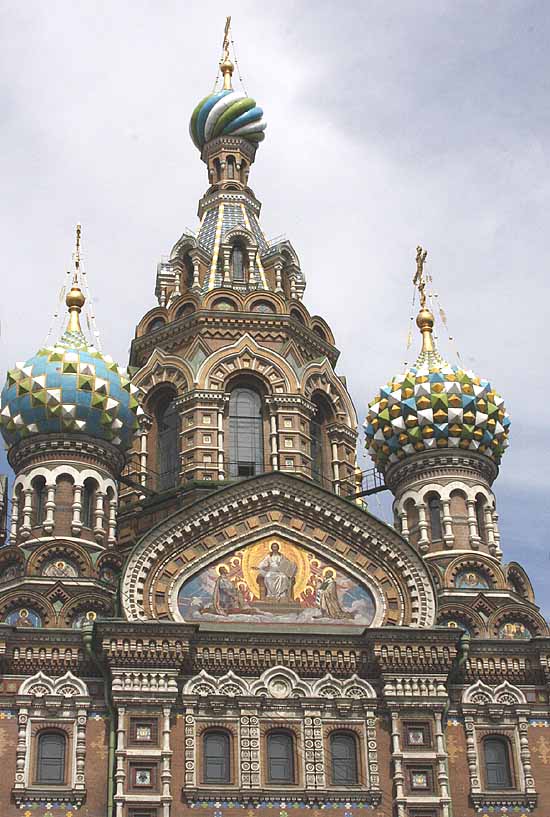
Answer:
(69, 387)
(435, 405)
(227, 112)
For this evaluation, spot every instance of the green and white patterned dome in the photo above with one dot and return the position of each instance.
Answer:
(434, 405)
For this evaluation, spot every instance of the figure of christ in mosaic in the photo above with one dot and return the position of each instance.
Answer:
(275, 581)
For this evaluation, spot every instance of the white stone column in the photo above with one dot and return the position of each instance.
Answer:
(404, 521)
(111, 535)
(196, 281)
(99, 516)
(398, 775)
(49, 507)
(120, 773)
(14, 516)
(253, 278)
(423, 541)
(226, 270)
(80, 737)
(472, 524)
(278, 277)
(442, 772)
(22, 748)
(489, 527)
(221, 463)
(25, 531)
(274, 439)
(166, 770)
(447, 520)
(496, 529)
(76, 524)
(335, 466)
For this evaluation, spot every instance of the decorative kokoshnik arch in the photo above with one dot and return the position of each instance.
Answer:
(334, 562)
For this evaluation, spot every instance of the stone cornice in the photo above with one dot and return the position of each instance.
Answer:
(437, 464)
(65, 447)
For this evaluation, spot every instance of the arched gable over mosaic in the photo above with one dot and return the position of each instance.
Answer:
(342, 566)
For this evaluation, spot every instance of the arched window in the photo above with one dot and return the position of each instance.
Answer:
(230, 167)
(216, 760)
(280, 758)
(434, 509)
(343, 754)
(167, 422)
(498, 774)
(237, 263)
(88, 503)
(246, 438)
(185, 310)
(320, 332)
(156, 323)
(50, 765)
(480, 518)
(243, 171)
(320, 444)
(188, 272)
(39, 488)
(217, 170)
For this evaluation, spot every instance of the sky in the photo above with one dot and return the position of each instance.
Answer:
(389, 125)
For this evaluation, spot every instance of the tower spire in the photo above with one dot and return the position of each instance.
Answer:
(425, 318)
(226, 66)
(75, 297)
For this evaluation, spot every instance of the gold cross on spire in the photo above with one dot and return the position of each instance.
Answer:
(226, 66)
(75, 298)
(419, 280)
(77, 251)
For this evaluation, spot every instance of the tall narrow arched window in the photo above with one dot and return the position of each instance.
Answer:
(246, 438)
(167, 460)
(343, 754)
(480, 518)
(434, 509)
(243, 171)
(496, 756)
(39, 500)
(321, 461)
(217, 170)
(230, 167)
(188, 272)
(88, 503)
(50, 758)
(237, 263)
(280, 758)
(216, 757)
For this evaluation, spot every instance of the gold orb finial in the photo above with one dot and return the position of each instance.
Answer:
(75, 299)
(226, 66)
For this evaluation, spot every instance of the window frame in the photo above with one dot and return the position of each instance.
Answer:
(246, 433)
(291, 738)
(505, 742)
(345, 733)
(37, 778)
(228, 756)
(435, 511)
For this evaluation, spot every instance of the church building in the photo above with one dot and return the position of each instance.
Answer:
(199, 612)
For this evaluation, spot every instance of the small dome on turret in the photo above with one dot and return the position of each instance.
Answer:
(435, 405)
(69, 387)
(227, 112)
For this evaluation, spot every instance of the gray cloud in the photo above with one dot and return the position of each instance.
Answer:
(389, 125)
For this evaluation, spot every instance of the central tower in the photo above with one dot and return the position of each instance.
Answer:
(238, 377)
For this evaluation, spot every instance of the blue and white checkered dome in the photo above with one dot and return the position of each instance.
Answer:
(69, 387)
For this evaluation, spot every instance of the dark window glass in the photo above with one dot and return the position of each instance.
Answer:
(280, 758)
(230, 167)
(88, 504)
(51, 758)
(316, 433)
(497, 764)
(216, 758)
(39, 500)
(167, 444)
(343, 752)
(480, 518)
(246, 439)
(155, 324)
(434, 507)
(237, 263)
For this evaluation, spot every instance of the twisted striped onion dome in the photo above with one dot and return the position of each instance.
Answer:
(69, 387)
(227, 113)
(434, 405)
